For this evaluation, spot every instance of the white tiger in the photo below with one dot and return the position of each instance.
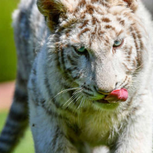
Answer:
(73, 54)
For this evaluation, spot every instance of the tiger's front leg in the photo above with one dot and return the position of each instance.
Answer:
(136, 137)
(47, 133)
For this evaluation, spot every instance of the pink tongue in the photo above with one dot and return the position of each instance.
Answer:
(118, 95)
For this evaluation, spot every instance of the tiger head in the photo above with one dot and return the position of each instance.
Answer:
(101, 45)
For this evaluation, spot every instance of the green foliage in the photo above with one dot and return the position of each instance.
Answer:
(26, 144)
(7, 46)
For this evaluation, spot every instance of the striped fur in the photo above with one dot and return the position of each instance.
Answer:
(65, 85)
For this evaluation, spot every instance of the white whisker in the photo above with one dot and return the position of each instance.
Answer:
(81, 103)
(72, 98)
(65, 90)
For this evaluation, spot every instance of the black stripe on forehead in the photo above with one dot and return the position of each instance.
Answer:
(83, 31)
(138, 44)
(84, 24)
(121, 21)
(82, 3)
(106, 19)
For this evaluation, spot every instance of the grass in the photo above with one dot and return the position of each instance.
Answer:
(7, 45)
(26, 143)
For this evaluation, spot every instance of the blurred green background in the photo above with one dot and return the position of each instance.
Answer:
(8, 64)
(7, 46)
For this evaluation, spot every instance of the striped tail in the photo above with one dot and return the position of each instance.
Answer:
(17, 119)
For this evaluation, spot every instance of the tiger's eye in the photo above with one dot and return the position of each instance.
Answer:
(118, 43)
(81, 49)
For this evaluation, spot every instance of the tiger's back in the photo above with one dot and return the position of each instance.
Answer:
(27, 23)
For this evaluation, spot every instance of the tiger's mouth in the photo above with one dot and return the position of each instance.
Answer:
(103, 101)
(116, 96)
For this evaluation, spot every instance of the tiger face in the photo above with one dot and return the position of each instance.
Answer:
(99, 44)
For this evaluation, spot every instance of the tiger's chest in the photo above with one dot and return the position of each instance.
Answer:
(95, 128)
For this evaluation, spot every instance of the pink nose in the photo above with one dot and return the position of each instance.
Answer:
(118, 95)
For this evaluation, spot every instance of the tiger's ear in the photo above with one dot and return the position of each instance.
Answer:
(53, 9)
(133, 4)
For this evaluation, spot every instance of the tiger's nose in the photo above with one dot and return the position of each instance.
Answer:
(102, 91)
